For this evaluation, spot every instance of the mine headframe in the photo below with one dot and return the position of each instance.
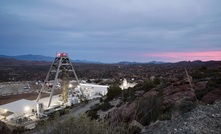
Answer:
(61, 67)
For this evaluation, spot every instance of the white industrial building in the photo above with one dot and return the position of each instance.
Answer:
(25, 107)
(17, 108)
(91, 90)
(126, 85)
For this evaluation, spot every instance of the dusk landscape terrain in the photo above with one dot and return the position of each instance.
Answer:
(114, 66)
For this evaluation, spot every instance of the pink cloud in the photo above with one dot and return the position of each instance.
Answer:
(178, 56)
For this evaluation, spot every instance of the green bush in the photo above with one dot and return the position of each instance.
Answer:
(165, 116)
(156, 81)
(113, 91)
(147, 85)
(92, 114)
(105, 106)
(84, 125)
(128, 94)
(101, 100)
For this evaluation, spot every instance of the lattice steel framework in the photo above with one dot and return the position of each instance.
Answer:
(61, 64)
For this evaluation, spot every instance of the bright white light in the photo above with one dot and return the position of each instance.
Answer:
(5, 110)
(27, 108)
(70, 85)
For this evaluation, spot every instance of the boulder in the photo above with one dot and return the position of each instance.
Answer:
(212, 96)
(173, 95)
(200, 85)
(150, 94)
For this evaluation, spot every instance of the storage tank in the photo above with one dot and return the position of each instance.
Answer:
(75, 100)
(40, 110)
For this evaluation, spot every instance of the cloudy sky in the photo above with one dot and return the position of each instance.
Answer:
(112, 30)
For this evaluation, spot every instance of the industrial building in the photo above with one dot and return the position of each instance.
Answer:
(126, 85)
(17, 109)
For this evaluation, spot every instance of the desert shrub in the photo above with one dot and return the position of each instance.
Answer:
(84, 125)
(216, 82)
(210, 86)
(40, 123)
(118, 105)
(96, 107)
(203, 68)
(19, 130)
(200, 93)
(147, 85)
(105, 106)
(186, 106)
(164, 85)
(165, 116)
(56, 115)
(156, 81)
(149, 109)
(101, 100)
(113, 91)
(198, 75)
(204, 72)
(135, 130)
(180, 76)
(128, 94)
(92, 114)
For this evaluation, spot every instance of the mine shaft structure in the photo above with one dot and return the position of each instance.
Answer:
(61, 67)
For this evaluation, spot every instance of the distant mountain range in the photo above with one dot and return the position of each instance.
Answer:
(14, 62)
(132, 63)
(31, 57)
(40, 58)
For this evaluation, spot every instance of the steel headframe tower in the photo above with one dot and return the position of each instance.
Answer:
(61, 64)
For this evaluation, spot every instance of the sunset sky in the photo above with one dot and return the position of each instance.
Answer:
(112, 30)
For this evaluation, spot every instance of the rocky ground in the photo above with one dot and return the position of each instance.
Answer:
(205, 119)
(4, 128)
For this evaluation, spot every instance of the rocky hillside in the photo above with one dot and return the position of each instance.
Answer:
(174, 103)
(201, 120)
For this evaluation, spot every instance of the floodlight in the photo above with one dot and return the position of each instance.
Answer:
(70, 85)
(27, 108)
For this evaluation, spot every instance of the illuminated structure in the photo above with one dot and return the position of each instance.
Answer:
(61, 67)
(126, 85)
